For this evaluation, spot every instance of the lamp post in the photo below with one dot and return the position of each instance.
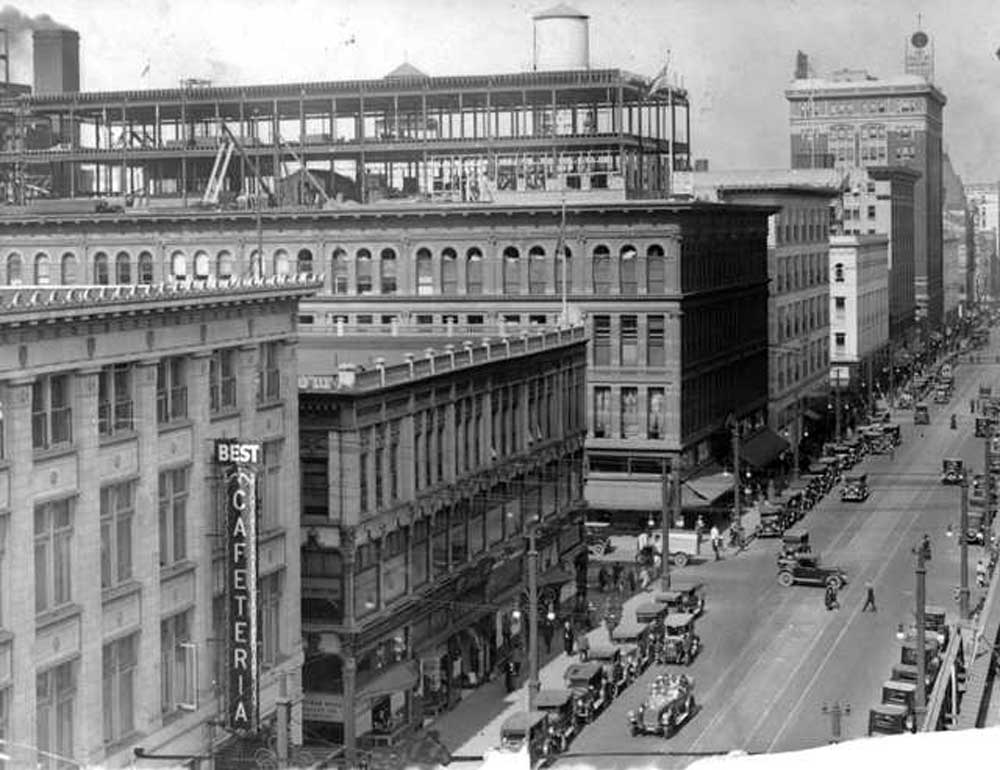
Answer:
(837, 712)
(665, 493)
(533, 685)
(963, 528)
(737, 481)
(920, 706)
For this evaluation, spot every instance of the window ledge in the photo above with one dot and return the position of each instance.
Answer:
(51, 617)
(177, 568)
(118, 437)
(272, 532)
(224, 412)
(126, 741)
(51, 453)
(180, 422)
(127, 588)
(270, 402)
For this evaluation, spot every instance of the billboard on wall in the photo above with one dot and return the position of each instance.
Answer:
(238, 463)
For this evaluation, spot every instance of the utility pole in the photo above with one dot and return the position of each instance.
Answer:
(963, 528)
(737, 512)
(283, 708)
(533, 685)
(665, 525)
(920, 707)
(836, 396)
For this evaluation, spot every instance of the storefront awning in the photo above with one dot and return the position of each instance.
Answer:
(763, 449)
(705, 490)
(400, 677)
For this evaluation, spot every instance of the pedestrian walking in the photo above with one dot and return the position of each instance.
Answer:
(925, 544)
(568, 637)
(510, 675)
(583, 647)
(869, 598)
(616, 574)
(699, 525)
(981, 574)
(644, 578)
(602, 579)
(716, 540)
(831, 598)
(547, 633)
(631, 582)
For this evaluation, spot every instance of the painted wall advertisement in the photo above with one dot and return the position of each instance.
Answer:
(238, 463)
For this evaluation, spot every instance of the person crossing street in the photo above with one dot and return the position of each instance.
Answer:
(869, 598)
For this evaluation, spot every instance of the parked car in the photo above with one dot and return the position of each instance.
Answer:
(684, 596)
(558, 704)
(680, 642)
(921, 414)
(794, 541)
(855, 488)
(806, 569)
(634, 638)
(669, 703)
(952, 470)
(610, 657)
(529, 728)
(887, 719)
(591, 692)
(896, 693)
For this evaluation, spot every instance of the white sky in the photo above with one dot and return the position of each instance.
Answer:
(736, 56)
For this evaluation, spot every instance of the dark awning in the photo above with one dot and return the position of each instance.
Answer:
(763, 449)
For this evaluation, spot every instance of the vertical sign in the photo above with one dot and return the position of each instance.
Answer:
(238, 462)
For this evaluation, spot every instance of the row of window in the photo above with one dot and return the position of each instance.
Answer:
(793, 367)
(638, 415)
(802, 225)
(802, 317)
(51, 397)
(801, 271)
(630, 353)
(533, 273)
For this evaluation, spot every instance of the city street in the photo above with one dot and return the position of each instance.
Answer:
(773, 656)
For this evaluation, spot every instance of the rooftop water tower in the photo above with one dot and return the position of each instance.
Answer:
(561, 40)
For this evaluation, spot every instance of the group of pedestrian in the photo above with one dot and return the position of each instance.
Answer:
(619, 579)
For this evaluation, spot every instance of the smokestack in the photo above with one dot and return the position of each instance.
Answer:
(801, 66)
(57, 60)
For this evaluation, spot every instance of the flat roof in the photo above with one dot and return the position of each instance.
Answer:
(824, 182)
(828, 87)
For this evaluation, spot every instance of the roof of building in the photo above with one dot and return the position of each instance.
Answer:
(20, 305)
(406, 70)
(845, 83)
(820, 181)
(323, 370)
(561, 11)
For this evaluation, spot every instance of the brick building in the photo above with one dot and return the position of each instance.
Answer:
(113, 603)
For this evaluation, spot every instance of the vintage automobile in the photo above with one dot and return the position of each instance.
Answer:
(893, 431)
(794, 541)
(855, 488)
(984, 426)
(633, 638)
(773, 519)
(902, 694)
(874, 438)
(597, 535)
(887, 719)
(680, 642)
(651, 613)
(529, 728)
(559, 706)
(799, 501)
(904, 672)
(684, 596)
(976, 533)
(806, 568)
(932, 655)
(921, 414)
(952, 470)
(942, 394)
(591, 692)
(609, 656)
(669, 703)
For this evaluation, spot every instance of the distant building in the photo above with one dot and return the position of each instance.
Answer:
(421, 477)
(959, 243)
(859, 310)
(984, 203)
(112, 524)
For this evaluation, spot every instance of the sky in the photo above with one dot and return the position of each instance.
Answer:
(735, 57)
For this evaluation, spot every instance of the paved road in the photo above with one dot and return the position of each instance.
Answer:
(774, 656)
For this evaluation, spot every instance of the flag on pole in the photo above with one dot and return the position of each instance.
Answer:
(145, 70)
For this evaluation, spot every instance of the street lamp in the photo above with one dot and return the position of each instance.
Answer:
(837, 712)
(920, 707)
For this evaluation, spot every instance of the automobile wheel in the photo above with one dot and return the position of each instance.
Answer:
(680, 559)
(785, 579)
(834, 583)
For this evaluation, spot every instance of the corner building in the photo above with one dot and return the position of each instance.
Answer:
(421, 480)
(113, 602)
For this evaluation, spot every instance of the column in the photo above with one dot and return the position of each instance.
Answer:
(146, 556)
(87, 549)
(350, 739)
(201, 518)
(19, 615)
(407, 483)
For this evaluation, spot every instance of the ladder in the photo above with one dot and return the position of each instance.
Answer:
(222, 157)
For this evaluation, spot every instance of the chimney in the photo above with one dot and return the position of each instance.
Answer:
(57, 60)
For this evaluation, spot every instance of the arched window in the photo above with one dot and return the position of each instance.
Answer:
(364, 271)
(123, 268)
(473, 271)
(537, 282)
(449, 271)
(14, 270)
(511, 271)
(564, 270)
(602, 270)
(425, 273)
(224, 265)
(281, 262)
(145, 268)
(629, 280)
(256, 264)
(656, 275)
(339, 271)
(67, 269)
(838, 271)
(388, 278)
(202, 265)
(101, 277)
(42, 276)
(178, 266)
(305, 262)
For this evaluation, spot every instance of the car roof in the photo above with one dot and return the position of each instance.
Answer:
(896, 684)
(582, 670)
(522, 720)
(602, 651)
(552, 698)
(649, 608)
(890, 708)
(628, 628)
(679, 618)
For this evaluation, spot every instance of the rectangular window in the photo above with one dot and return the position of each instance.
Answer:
(379, 457)
(394, 428)
(270, 372)
(51, 414)
(4, 524)
(840, 339)
(364, 454)
(656, 353)
(55, 705)
(871, 212)
(222, 380)
(269, 486)
(177, 674)
(420, 553)
(602, 340)
(429, 448)
(119, 663)
(270, 618)
(440, 444)
(171, 390)
(114, 399)
(602, 412)
(656, 414)
(117, 514)
(173, 496)
(53, 548)
(840, 304)
(629, 340)
(630, 412)
(418, 423)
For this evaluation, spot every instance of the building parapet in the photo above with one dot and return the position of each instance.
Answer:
(352, 377)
